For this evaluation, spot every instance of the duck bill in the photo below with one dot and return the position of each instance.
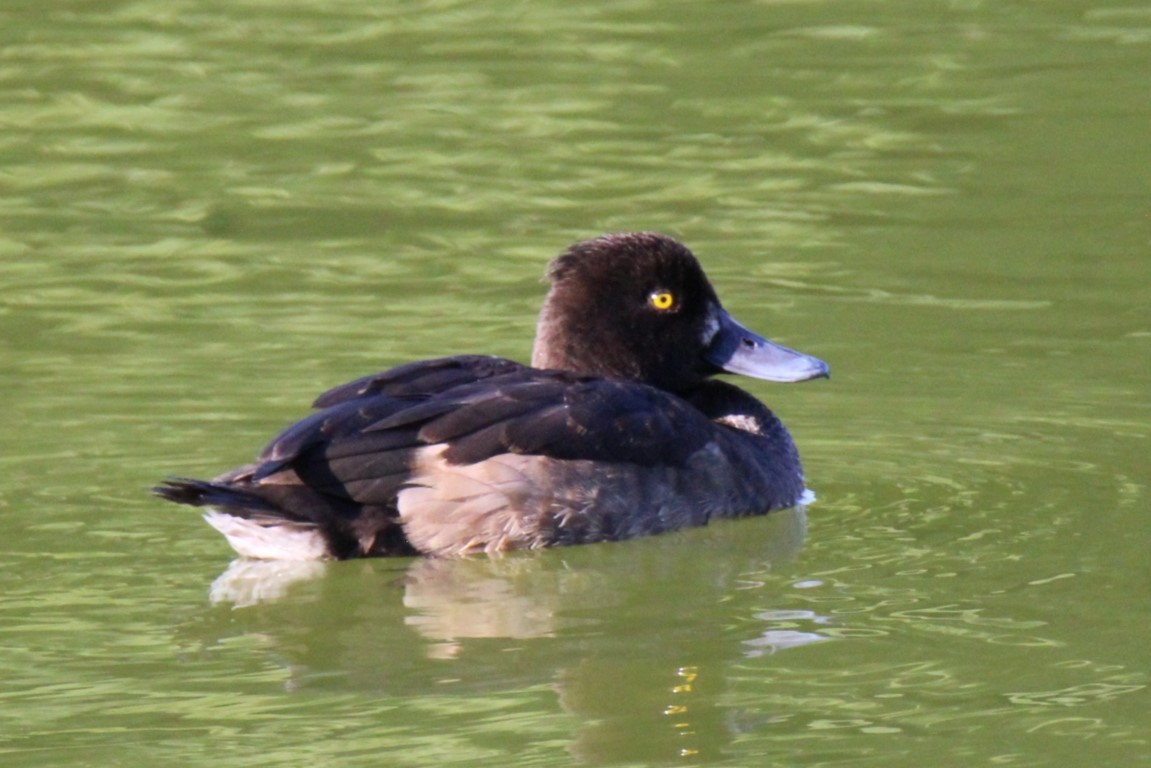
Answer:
(735, 349)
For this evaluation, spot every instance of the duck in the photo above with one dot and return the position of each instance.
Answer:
(616, 429)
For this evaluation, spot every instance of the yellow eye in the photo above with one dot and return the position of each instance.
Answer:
(662, 300)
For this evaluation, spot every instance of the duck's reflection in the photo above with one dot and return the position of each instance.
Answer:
(637, 639)
(250, 582)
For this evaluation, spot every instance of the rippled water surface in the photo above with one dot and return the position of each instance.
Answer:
(211, 211)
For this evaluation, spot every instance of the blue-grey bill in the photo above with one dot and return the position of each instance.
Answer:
(736, 349)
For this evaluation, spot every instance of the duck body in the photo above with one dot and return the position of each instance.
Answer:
(615, 431)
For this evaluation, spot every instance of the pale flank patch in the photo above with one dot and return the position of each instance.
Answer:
(451, 509)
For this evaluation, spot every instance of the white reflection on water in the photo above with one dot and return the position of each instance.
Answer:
(248, 582)
(773, 640)
(780, 639)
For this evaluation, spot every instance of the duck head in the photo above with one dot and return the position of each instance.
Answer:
(638, 306)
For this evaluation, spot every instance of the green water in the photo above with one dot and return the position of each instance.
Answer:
(210, 211)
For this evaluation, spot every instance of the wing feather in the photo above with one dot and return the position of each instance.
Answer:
(362, 445)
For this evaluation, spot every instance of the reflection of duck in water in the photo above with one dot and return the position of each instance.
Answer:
(520, 595)
(606, 639)
(617, 431)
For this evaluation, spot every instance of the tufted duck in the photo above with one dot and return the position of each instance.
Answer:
(616, 430)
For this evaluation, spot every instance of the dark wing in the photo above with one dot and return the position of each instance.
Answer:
(364, 447)
(420, 379)
(348, 408)
(562, 416)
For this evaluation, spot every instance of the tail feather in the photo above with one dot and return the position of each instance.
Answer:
(202, 493)
(291, 522)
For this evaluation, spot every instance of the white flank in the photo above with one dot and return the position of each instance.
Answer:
(456, 509)
(269, 541)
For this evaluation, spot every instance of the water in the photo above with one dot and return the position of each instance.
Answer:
(212, 211)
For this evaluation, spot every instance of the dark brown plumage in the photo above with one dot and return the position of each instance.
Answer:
(617, 430)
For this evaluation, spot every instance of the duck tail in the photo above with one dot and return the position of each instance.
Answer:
(284, 522)
(254, 526)
(201, 493)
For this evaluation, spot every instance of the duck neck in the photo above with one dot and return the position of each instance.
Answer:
(554, 347)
